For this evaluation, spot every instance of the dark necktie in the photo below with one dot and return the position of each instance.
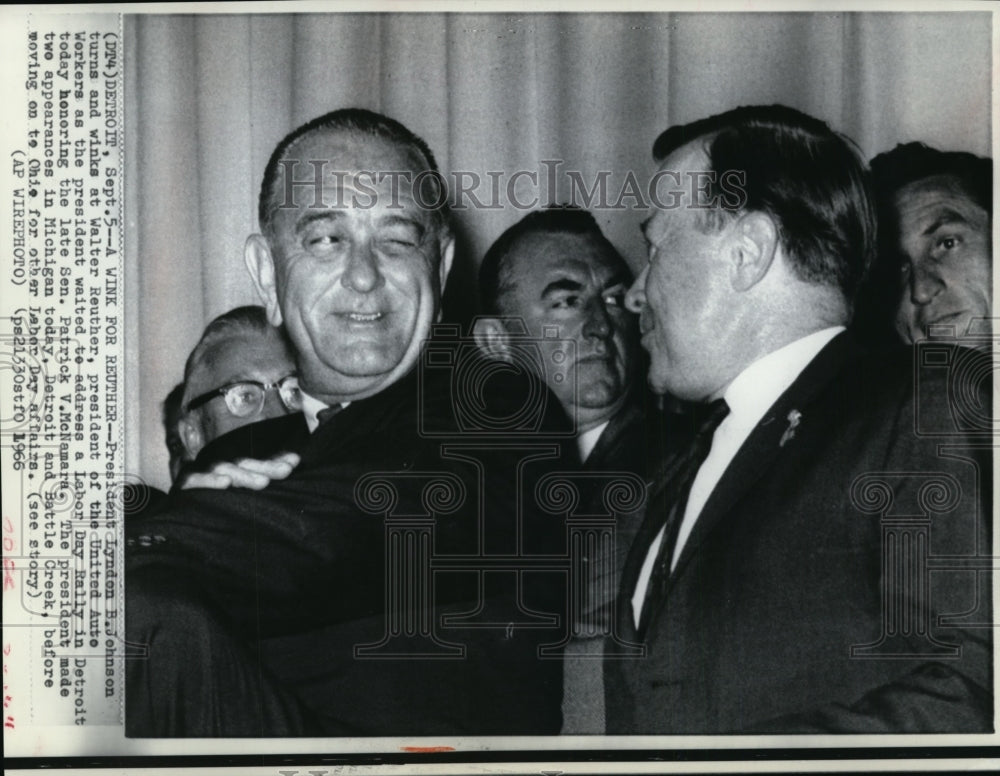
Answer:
(672, 501)
(324, 415)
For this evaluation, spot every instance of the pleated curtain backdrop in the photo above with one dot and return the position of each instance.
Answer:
(208, 97)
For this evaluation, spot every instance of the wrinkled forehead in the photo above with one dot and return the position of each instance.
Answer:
(351, 170)
(692, 156)
(351, 151)
(919, 198)
(679, 183)
(579, 255)
(246, 354)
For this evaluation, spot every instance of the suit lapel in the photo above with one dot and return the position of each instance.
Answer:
(763, 446)
(651, 523)
(376, 417)
(614, 446)
(608, 439)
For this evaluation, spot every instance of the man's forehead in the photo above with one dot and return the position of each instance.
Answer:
(244, 348)
(676, 188)
(563, 252)
(919, 198)
(240, 355)
(346, 150)
(336, 171)
(691, 156)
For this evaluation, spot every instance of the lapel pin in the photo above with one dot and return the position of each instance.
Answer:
(794, 418)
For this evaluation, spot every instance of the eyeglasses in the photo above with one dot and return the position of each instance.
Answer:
(245, 399)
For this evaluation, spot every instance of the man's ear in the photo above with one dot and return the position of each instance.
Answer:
(492, 338)
(260, 264)
(755, 238)
(191, 437)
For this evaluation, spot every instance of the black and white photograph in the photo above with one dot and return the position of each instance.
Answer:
(454, 387)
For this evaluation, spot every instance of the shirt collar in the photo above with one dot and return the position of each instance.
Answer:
(758, 386)
(586, 441)
(311, 407)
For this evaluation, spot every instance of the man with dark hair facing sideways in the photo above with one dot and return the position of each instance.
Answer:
(934, 275)
(555, 269)
(554, 272)
(781, 580)
(310, 606)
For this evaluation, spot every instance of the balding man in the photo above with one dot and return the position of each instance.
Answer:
(326, 624)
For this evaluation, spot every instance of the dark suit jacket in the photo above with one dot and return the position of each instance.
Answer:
(298, 571)
(632, 443)
(789, 572)
(260, 440)
(621, 446)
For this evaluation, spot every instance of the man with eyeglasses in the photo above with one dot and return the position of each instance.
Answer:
(241, 371)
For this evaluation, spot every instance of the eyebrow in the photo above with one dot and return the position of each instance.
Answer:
(562, 284)
(393, 220)
(335, 215)
(246, 377)
(618, 279)
(310, 218)
(947, 216)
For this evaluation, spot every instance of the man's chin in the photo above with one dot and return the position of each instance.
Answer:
(361, 359)
(662, 386)
(970, 331)
(943, 328)
(344, 378)
(600, 398)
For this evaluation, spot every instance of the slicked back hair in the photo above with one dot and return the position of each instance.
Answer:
(495, 269)
(360, 122)
(811, 180)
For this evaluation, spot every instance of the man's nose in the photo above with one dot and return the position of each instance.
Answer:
(635, 299)
(362, 273)
(598, 322)
(924, 285)
(273, 405)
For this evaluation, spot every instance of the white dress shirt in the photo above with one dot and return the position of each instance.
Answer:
(312, 407)
(585, 442)
(749, 397)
